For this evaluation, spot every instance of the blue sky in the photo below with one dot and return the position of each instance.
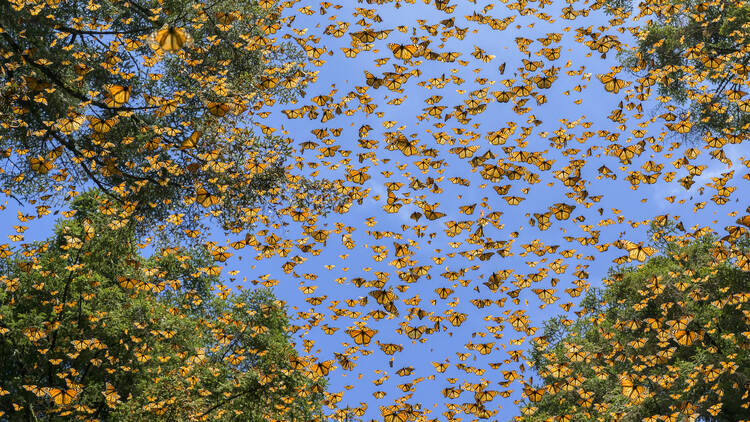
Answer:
(618, 199)
(333, 269)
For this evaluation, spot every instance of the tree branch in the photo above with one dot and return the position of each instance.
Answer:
(63, 28)
(59, 317)
(73, 93)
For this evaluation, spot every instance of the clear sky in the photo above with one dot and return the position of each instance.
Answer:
(611, 206)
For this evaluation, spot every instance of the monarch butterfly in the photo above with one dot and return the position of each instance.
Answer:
(323, 368)
(393, 83)
(35, 84)
(218, 109)
(715, 409)
(569, 13)
(457, 318)
(362, 336)
(268, 82)
(503, 97)
(562, 211)
(383, 296)
(329, 330)
(221, 256)
(534, 394)
(345, 362)
(350, 52)
(101, 126)
(403, 52)
(170, 39)
(63, 397)
(449, 56)
(639, 252)
(522, 90)
(395, 416)
(484, 395)
(551, 53)
(70, 124)
(650, 178)
(315, 301)
(329, 151)
(711, 62)
(206, 199)
(513, 200)
(686, 338)
(37, 391)
(442, 5)
(191, 141)
(372, 80)
(612, 84)
(546, 295)
(634, 393)
(440, 367)
(40, 165)
(414, 332)
(80, 345)
(451, 392)
(358, 176)
(366, 36)
(744, 220)
(118, 95)
(484, 348)
(34, 334)
(320, 235)
(543, 82)
(401, 249)
(532, 65)
(129, 283)
(681, 126)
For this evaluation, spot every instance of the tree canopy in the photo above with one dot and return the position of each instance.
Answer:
(696, 53)
(93, 329)
(488, 159)
(667, 339)
(152, 102)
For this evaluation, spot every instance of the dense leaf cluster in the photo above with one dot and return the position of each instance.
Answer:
(93, 95)
(669, 339)
(91, 328)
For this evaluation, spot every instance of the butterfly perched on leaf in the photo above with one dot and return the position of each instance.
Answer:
(633, 392)
(63, 397)
(118, 95)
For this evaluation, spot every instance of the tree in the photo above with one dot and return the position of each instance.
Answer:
(152, 102)
(668, 340)
(696, 53)
(91, 329)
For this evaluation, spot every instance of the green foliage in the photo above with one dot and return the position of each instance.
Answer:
(678, 327)
(134, 338)
(180, 124)
(697, 51)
